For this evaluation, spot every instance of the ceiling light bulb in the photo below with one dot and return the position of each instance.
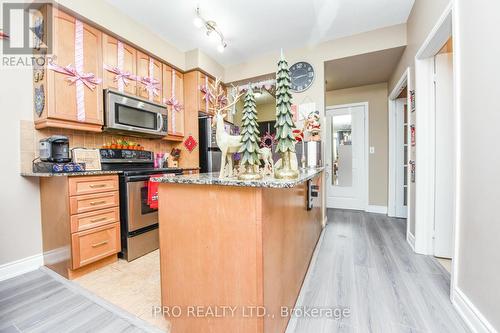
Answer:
(221, 48)
(198, 22)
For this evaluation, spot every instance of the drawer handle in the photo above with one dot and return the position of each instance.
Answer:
(95, 203)
(98, 220)
(97, 185)
(100, 243)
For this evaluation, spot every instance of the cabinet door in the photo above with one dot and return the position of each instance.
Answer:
(143, 70)
(63, 95)
(122, 58)
(173, 84)
(203, 105)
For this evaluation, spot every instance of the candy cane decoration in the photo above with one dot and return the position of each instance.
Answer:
(120, 61)
(208, 93)
(80, 93)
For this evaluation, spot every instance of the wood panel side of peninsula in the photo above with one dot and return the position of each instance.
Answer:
(239, 247)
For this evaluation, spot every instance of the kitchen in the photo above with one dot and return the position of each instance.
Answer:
(109, 116)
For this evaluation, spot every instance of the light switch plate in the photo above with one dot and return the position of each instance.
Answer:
(372, 150)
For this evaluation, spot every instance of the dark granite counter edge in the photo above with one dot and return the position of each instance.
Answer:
(208, 179)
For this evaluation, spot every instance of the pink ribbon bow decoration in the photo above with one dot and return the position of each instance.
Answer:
(208, 95)
(120, 75)
(176, 107)
(88, 79)
(174, 104)
(151, 86)
(222, 100)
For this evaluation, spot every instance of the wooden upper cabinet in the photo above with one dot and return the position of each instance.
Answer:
(143, 71)
(60, 108)
(203, 80)
(173, 82)
(111, 56)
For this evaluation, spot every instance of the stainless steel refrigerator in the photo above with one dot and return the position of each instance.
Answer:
(210, 154)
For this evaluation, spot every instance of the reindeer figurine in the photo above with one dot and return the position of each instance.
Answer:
(227, 143)
(219, 105)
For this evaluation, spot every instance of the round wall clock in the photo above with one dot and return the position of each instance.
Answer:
(302, 75)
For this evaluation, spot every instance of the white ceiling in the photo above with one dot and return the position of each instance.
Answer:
(256, 27)
(362, 69)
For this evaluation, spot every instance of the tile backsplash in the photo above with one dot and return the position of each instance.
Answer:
(31, 136)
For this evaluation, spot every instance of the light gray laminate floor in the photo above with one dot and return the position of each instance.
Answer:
(40, 302)
(365, 264)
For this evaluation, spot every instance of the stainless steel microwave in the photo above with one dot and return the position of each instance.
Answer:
(131, 115)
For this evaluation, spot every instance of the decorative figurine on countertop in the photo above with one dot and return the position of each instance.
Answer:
(249, 139)
(175, 154)
(284, 123)
(313, 126)
(227, 143)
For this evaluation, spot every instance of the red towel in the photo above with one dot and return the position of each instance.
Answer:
(153, 193)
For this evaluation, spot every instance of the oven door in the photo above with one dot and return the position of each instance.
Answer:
(140, 215)
(130, 114)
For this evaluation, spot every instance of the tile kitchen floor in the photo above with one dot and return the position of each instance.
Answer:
(133, 286)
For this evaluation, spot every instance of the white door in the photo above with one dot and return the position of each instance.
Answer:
(345, 152)
(402, 150)
(445, 152)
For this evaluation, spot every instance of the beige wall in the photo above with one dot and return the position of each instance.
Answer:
(20, 229)
(422, 19)
(479, 187)
(376, 96)
(265, 112)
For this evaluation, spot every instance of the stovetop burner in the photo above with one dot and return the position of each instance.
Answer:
(132, 162)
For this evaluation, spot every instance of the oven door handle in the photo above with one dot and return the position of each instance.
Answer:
(137, 178)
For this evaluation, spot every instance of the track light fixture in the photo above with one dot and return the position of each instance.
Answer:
(211, 30)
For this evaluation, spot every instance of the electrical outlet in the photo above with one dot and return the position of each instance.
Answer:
(372, 150)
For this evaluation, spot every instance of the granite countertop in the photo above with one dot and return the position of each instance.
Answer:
(213, 179)
(62, 174)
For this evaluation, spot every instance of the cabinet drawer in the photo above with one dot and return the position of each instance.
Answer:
(94, 244)
(94, 219)
(89, 185)
(91, 202)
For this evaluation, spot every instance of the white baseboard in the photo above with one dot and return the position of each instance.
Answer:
(470, 314)
(376, 209)
(411, 240)
(21, 266)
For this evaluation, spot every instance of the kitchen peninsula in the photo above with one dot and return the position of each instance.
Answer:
(239, 245)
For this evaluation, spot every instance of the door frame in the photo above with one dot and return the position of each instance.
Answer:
(404, 81)
(365, 182)
(426, 131)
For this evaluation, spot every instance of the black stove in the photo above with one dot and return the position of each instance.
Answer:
(138, 221)
(132, 162)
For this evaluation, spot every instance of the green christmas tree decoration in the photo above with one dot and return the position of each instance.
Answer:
(249, 138)
(284, 121)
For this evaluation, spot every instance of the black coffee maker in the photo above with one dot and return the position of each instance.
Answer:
(55, 149)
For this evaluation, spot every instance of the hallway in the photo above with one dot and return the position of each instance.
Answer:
(365, 264)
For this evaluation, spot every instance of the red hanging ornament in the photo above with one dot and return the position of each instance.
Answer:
(190, 143)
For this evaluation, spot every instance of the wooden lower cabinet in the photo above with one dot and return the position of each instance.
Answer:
(94, 244)
(80, 223)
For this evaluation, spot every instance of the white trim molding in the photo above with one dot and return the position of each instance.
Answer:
(470, 314)
(21, 266)
(376, 209)
(411, 240)
(426, 127)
